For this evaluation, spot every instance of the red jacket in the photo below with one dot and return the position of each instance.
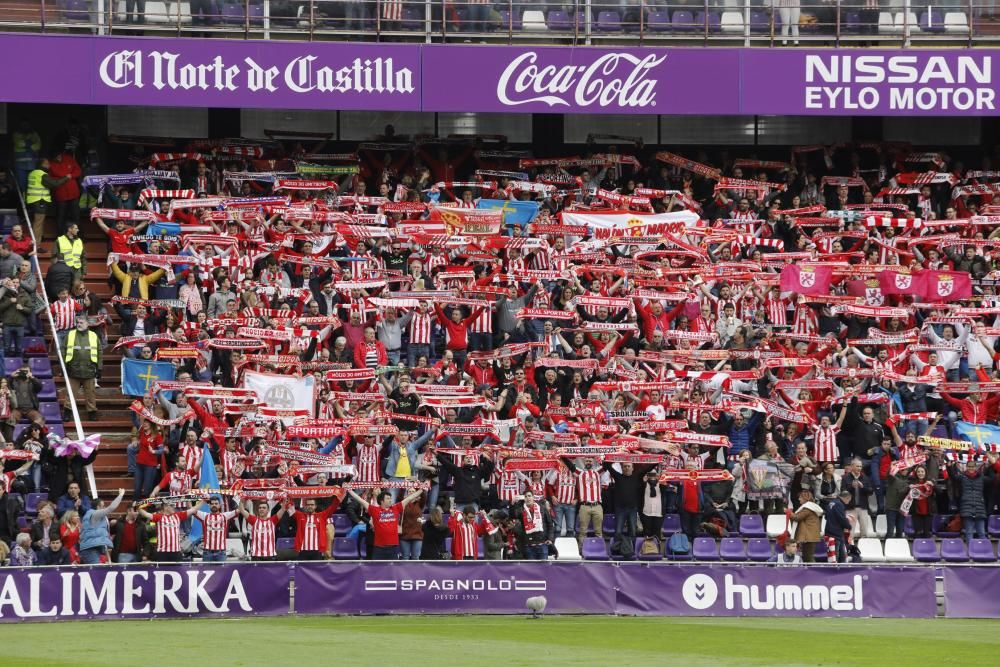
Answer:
(458, 338)
(209, 420)
(975, 413)
(66, 167)
(361, 351)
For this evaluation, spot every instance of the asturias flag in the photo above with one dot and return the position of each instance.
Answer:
(207, 479)
(514, 212)
(139, 376)
(981, 435)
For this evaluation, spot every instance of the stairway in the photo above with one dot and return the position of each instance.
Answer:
(114, 421)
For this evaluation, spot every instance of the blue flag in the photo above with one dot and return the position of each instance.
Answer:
(139, 376)
(164, 229)
(207, 479)
(514, 212)
(979, 434)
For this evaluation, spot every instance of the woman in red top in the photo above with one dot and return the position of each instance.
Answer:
(457, 330)
(69, 532)
(147, 459)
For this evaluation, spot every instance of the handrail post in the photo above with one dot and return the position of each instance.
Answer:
(41, 18)
(246, 17)
(642, 21)
(836, 37)
(706, 22)
(378, 19)
(312, 18)
(267, 19)
(746, 23)
(510, 22)
(55, 339)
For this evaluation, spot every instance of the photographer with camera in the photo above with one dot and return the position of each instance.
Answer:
(24, 388)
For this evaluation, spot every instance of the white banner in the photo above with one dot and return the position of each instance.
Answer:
(283, 391)
(628, 223)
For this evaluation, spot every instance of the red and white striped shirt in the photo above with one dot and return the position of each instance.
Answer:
(192, 457)
(310, 529)
(262, 536)
(215, 529)
(589, 486)
(564, 482)
(777, 310)
(825, 448)
(177, 481)
(508, 486)
(368, 463)
(806, 321)
(64, 313)
(420, 327)
(392, 10)
(483, 322)
(231, 466)
(168, 531)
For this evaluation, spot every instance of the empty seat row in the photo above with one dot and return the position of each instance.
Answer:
(930, 21)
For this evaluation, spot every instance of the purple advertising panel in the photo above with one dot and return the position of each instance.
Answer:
(581, 80)
(870, 82)
(100, 592)
(453, 587)
(776, 591)
(211, 73)
(972, 592)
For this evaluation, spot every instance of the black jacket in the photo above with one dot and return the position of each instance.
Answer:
(836, 519)
(628, 488)
(141, 537)
(468, 480)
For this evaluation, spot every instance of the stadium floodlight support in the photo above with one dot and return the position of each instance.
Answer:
(91, 480)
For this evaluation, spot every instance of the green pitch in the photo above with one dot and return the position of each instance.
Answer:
(504, 641)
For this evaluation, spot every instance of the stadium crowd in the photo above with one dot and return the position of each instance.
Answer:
(454, 340)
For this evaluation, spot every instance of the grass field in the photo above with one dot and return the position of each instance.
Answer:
(461, 641)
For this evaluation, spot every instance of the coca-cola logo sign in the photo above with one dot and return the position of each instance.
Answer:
(616, 79)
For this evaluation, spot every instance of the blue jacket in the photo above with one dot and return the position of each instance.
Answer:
(739, 438)
(94, 528)
(65, 504)
(412, 448)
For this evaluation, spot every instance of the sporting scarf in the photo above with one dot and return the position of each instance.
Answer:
(896, 223)
(121, 214)
(529, 464)
(680, 196)
(552, 438)
(202, 391)
(544, 313)
(18, 455)
(919, 491)
(877, 312)
(389, 484)
(331, 170)
(299, 184)
(689, 165)
(768, 407)
(905, 463)
(496, 173)
(290, 453)
(531, 518)
(746, 184)
(149, 194)
(843, 181)
(179, 352)
(128, 341)
(934, 158)
(373, 430)
(350, 374)
(699, 476)
(549, 362)
(473, 430)
(156, 260)
(862, 398)
(944, 443)
(158, 304)
(158, 158)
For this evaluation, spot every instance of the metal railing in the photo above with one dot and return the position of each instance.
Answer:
(91, 480)
(584, 22)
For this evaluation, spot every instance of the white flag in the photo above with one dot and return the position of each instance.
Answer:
(283, 391)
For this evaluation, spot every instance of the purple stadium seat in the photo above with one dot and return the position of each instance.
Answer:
(939, 523)
(11, 364)
(638, 551)
(51, 412)
(932, 21)
(752, 525)
(732, 548)
(683, 21)
(608, 525)
(714, 21)
(461, 20)
(953, 550)
(75, 10)
(232, 12)
(608, 22)
(505, 23)
(48, 392)
(594, 548)
(760, 22)
(284, 544)
(23, 524)
(345, 548)
(852, 23)
(908, 526)
(257, 13)
(981, 551)
(759, 549)
(413, 19)
(31, 504)
(40, 367)
(671, 524)
(658, 22)
(993, 526)
(341, 523)
(925, 550)
(705, 548)
(559, 21)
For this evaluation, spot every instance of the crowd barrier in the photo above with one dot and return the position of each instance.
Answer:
(348, 587)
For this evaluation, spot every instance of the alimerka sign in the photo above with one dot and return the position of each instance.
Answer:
(505, 79)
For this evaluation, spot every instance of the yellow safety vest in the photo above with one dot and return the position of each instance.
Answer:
(72, 251)
(71, 345)
(36, 189)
